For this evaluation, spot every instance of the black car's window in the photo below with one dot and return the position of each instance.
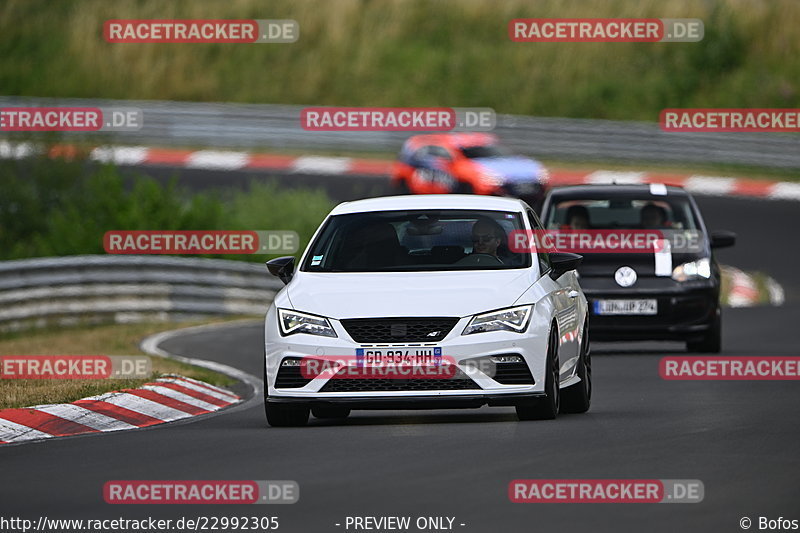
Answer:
(417, 240)
(621, 213)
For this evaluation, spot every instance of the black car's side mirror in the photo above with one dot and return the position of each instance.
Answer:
(563, 262)
(722, 239)
(283, 267)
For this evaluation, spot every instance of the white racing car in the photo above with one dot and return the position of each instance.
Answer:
(418, 302)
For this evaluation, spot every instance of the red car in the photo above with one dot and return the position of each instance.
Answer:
(467, 163)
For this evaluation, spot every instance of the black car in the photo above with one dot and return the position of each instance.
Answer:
(671, 294)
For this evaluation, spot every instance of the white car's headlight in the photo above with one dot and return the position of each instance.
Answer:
(512, 319)
(291, 322)
(694, 270)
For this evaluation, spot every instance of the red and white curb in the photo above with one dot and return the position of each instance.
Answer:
(744, 289)
(166, 399)
(238, 160)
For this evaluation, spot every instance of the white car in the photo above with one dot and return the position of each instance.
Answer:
(418, 302)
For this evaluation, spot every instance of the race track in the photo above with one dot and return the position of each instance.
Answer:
(739, 438)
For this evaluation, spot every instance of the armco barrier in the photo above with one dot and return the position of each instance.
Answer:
(253, 126)
(98, 288)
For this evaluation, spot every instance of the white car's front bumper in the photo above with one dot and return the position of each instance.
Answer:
(480, 389)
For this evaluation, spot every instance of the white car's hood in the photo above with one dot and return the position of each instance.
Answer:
(387, 294)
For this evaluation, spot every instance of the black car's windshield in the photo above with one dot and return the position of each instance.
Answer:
(417, 240)
(673, 213)
(489, 150)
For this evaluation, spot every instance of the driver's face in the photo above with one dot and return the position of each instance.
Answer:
(651, 218)
(484, 241)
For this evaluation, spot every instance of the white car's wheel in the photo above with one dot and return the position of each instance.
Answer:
(578, 397)
(546, 408)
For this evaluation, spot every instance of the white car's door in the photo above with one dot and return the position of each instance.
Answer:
(567, 299)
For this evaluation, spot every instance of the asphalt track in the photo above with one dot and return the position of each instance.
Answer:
(739, 438)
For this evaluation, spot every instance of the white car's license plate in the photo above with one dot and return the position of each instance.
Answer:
(626, 307)
(399, 356)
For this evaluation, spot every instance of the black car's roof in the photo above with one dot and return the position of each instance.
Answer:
(612, 190)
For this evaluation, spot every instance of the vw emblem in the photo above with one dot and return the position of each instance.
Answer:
(625, 276)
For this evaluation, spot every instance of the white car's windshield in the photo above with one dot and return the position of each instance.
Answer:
(415, 241)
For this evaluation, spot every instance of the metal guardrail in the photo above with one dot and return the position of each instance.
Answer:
(251, 126)
(97, 288)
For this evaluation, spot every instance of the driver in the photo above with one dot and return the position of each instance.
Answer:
(653, 217)
(577, 217)
(486, 237)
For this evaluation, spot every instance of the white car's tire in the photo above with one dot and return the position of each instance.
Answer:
(546, 408)
(578, 397)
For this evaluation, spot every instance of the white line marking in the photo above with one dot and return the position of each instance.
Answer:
(323, 165)
(9, 150)
(181, 397)
(150, 345)
(204, 385)
(120, 155)
(711, 185)
(81, 415)
(13, 432)
(141, 405)
(212, 159)
(203, 390)
(615, 176)
(785, 191)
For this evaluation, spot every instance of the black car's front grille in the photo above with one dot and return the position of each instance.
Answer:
(290, 377)
(399, 385)
(398, 330)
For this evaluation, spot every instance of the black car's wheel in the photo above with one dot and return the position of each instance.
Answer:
(330, 411)
(546, 408)
(578, 398)
(712, 341)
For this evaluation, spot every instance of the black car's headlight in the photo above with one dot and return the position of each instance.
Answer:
(511, 319)
(291, 322)
(700, 269)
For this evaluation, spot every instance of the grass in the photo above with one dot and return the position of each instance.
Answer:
(53, 207)
(413, 53)
(112, 339)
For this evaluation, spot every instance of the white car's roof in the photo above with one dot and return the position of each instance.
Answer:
(430, 201)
